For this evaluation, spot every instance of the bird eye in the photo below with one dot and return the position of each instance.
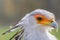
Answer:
(39, 18)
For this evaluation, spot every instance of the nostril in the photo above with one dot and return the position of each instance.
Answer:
(51, 21)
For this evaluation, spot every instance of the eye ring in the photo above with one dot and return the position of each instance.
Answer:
(39, 18)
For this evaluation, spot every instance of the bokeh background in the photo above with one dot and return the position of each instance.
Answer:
(11, 11)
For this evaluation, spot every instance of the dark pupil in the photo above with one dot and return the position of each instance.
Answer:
(39, 18)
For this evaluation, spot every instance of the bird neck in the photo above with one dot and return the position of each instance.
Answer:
(35, 33)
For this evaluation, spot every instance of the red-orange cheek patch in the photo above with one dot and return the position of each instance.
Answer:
(43, 21)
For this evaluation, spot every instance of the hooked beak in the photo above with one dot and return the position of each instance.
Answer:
(54, 24)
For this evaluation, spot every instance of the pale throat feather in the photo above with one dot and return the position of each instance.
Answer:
(36, 33)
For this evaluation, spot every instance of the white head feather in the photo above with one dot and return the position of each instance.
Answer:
(34, 31)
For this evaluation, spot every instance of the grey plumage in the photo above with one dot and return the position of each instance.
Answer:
(34, 31)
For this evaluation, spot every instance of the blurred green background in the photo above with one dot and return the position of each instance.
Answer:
(11, 11)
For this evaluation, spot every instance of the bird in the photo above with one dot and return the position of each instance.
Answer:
(35, 26)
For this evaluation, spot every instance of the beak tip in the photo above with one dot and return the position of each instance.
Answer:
(54, 25)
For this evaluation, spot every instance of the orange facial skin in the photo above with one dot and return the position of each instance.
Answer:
(43, 20)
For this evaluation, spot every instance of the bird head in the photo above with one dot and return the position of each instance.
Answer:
(42, 19)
